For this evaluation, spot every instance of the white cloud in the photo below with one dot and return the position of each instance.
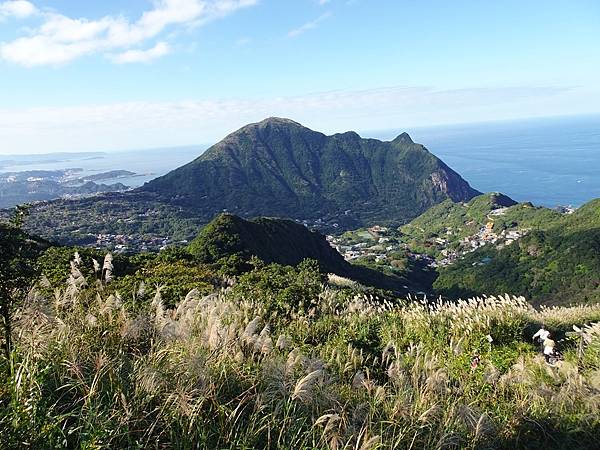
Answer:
(309, 25)
(17, 8)
(153, 124)
(61, 39)
(323, 2)
(142, 56)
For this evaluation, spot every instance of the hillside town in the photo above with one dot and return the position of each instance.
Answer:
(485, 236)
(122, 243)
(376, 241)
(383, 244)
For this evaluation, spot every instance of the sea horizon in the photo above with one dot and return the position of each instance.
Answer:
(548, 161)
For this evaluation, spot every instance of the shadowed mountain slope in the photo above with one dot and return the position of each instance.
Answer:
(272, 240)
(286, 242)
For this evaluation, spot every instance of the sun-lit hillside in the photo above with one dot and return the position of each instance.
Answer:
(287, 358)
(299, 225)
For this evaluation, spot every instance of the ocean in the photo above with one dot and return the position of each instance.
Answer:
(549, 162)
(147, 164)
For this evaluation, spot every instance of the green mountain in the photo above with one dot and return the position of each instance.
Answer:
(557, 262)
(286, 242)
(272, 240)
(449, 224)
(277, 167)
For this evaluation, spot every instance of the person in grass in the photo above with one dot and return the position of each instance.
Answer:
(549, 345)
(541, 335)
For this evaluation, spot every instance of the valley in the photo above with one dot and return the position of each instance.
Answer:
(389, 207)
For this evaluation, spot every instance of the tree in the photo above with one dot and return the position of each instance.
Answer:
(17, 252)
(283, 290)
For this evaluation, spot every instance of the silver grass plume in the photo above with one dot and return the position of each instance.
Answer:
(305, 386)
(264, 343)
(91, 320)
(112, 303)
(107, 268)
(283, 342)
(158, 306)
(141, 289)
(249, 334)
(373, 442)
(45, 282)
(96, 266)
(75, 272)
(333, 429)
(75, 281)
(295, 359)
(359, 380)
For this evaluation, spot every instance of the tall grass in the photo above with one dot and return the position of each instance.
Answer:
(93, 370)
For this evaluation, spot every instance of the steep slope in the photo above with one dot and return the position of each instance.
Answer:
(275, 167)
(558, 262)
(278, 167)
(272, 240)
(289, 243)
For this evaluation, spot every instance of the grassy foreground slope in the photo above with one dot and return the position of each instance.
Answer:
(559, 263)
(284, 359)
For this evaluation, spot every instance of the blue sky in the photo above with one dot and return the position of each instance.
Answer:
(103, 75)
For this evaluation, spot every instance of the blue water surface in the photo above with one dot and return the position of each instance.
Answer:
(550, 162)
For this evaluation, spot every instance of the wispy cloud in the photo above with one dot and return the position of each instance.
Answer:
(142, 56)
(17, 8)
(309, 25)
(61, 39)
(144, 124)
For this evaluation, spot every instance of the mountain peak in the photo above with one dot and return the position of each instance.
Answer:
(276, 121)
(267, 125)
(403, 138)
(265, 130)
(277, 167)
